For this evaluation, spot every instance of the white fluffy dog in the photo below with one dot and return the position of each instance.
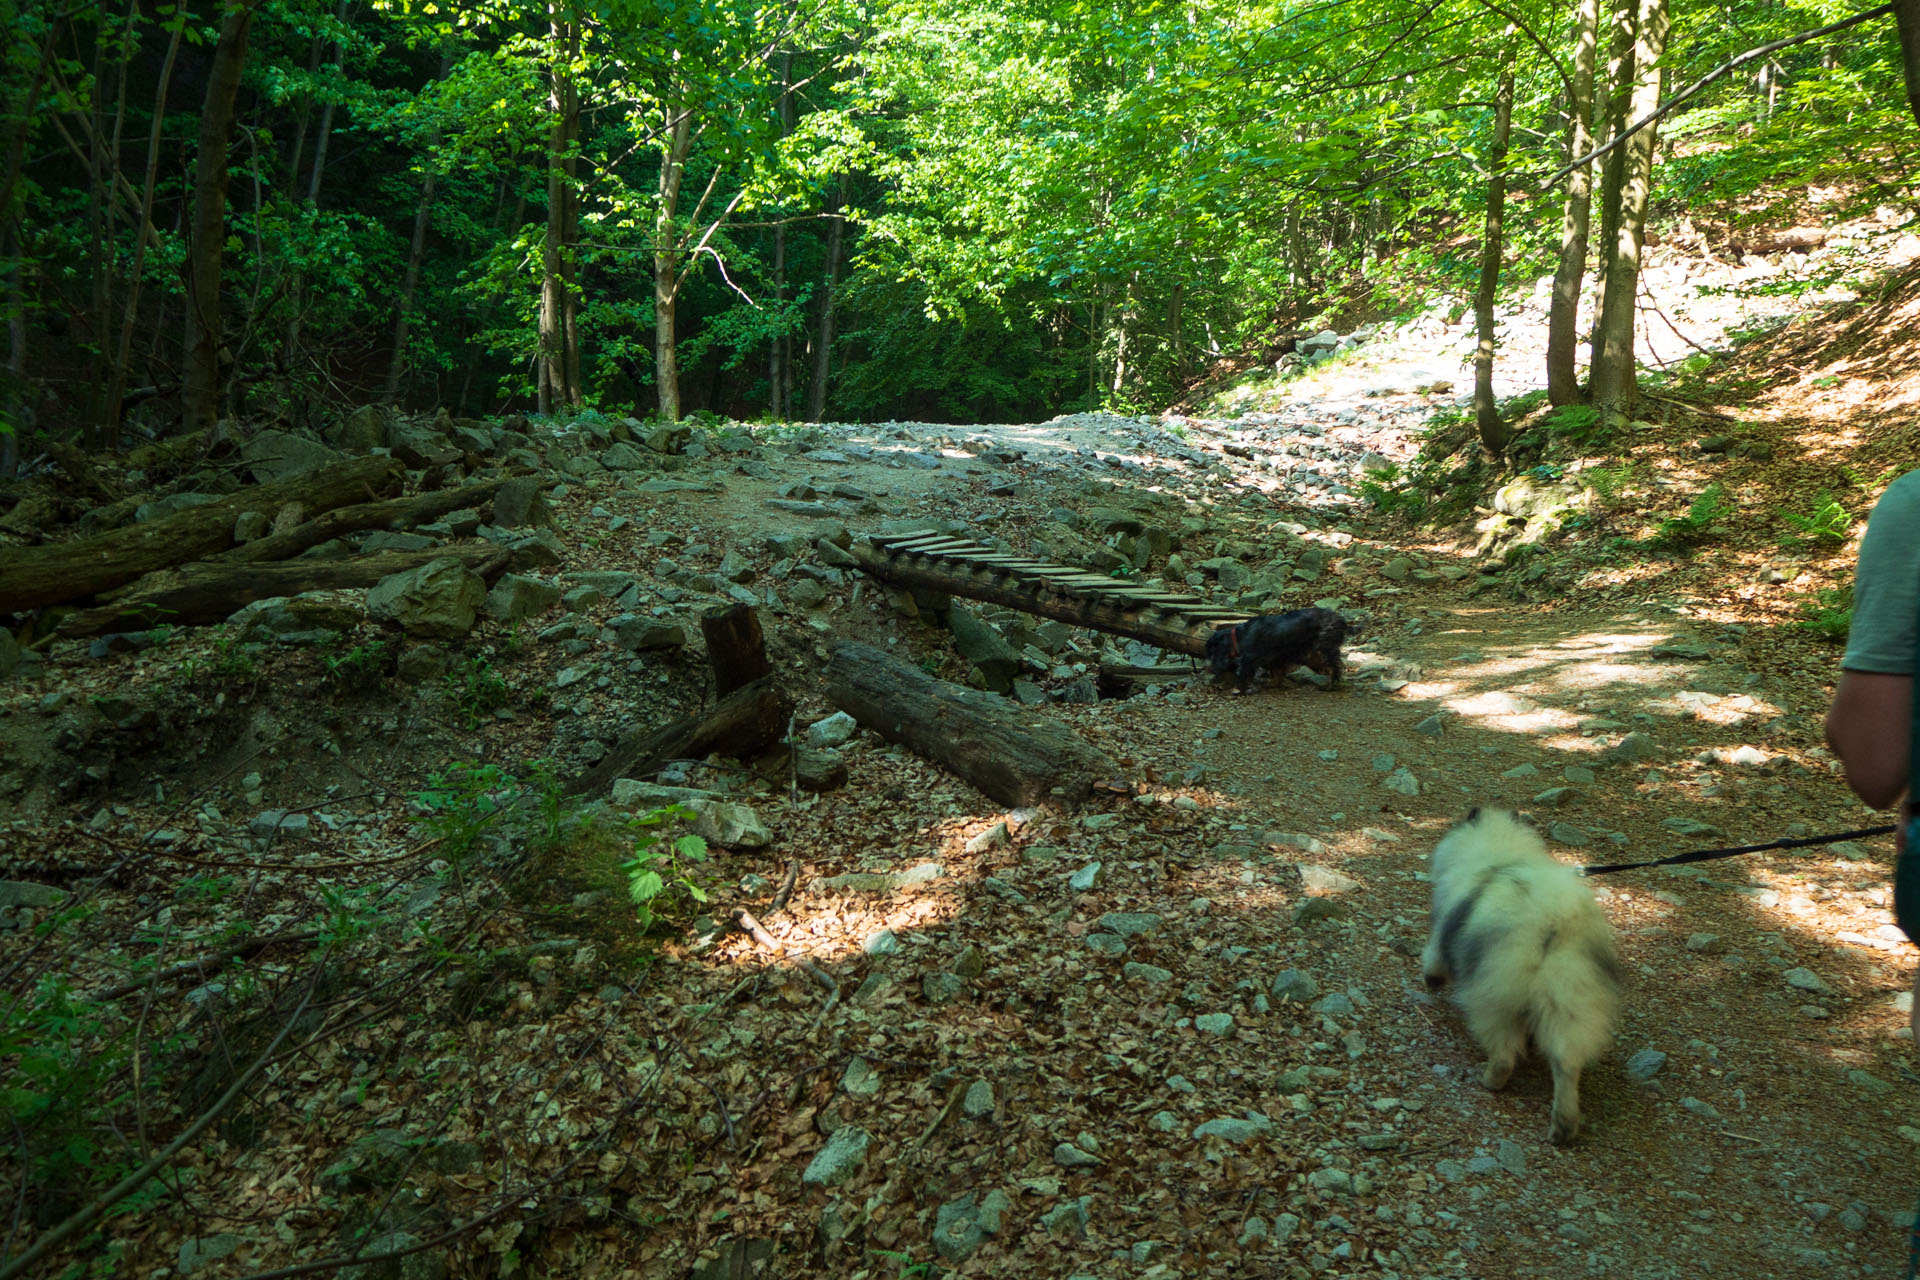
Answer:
(1529, 951)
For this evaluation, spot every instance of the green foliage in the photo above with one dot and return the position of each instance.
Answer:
(1386, 493)
(1827, 524)
(1680, 532)
(1581, 424)
(660, 871)
(476, 688)
(1828, 613)
(461, 802)
(361, 661)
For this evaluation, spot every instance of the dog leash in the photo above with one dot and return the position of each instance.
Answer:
(1709, 855)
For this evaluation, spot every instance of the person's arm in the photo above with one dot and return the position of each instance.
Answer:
(1867, 727)
(1872, 713)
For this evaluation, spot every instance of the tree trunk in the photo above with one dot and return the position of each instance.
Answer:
(34, 576)
(666, 261)
(1174, 336)
(416, 253)
(1611, 109)
(559, 301)
(1613, 383)
(995, 745)
(200, 391)
(194, 595)
(829, 295)
(1563, 317)
(1906, 19)
(1494, 433)
(780, 359)
(117, 386)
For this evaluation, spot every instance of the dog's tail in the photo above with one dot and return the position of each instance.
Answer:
(1574, 995)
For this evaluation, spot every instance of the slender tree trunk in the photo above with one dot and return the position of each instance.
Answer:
(1563, 317)
(123, 354)
(780, 358)
(200, 393)
(559, 335)
(1174, 336)
(666, 261)
(1613, 370)
(829, 295)
(1906, 18)
(13, 388)
(1611, 107)
(416, 253)
(1494, 433)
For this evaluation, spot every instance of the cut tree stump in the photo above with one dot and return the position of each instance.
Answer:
(744, 723)
(998, 747)
(35, 576)
(736, 650)
(212, 590)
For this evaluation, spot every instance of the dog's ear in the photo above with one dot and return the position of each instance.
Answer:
(1473, 814)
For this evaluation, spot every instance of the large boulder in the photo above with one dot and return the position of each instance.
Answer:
(516, 598)
(275, 455)
(439, 600)
(362, 430)
(984, 647)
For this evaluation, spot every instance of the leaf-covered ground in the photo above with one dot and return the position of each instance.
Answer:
(1174, 1034)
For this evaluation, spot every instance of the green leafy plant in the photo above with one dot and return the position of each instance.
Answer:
(660, 872)
(1387, 491)
(461, 802)
(477, 689)
(1581, 424)
(358, 662)
(1684, 531)
(1828, 613)
(1826, 525)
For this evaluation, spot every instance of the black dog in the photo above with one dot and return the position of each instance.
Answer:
(1309, 637)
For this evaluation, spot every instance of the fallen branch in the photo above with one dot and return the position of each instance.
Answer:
(395, 513)
(743, 723)
(204, 964)
(743, 920)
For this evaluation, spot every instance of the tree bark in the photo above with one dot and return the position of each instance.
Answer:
(36, 576)
(1613, 383)
(666, 260)
(200, 392)
(780, 358)
(117, 384)
(1563, 316)
(736, 649)
(1611, 108)
(1494, 433)
(393, 513)
(1906, 19)
(559, 296)
(994, 745)
(829, 295)
(194, 595)
(744, 723)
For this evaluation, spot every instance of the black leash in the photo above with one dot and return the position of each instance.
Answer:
(1709, 855)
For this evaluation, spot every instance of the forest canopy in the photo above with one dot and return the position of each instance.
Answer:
(939, 209)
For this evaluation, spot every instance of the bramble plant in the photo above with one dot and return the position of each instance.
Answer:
(477, 689)
(659, 873)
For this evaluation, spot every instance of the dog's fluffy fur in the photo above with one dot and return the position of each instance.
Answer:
(1529, 951)
(1309, 637)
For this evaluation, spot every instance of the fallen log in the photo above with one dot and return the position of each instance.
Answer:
(744, 723)
(1145, 617)
(212, 590)
(394, 513)
(997, 746)
(35, 576)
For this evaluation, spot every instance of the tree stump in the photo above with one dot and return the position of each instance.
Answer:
(736, 649)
